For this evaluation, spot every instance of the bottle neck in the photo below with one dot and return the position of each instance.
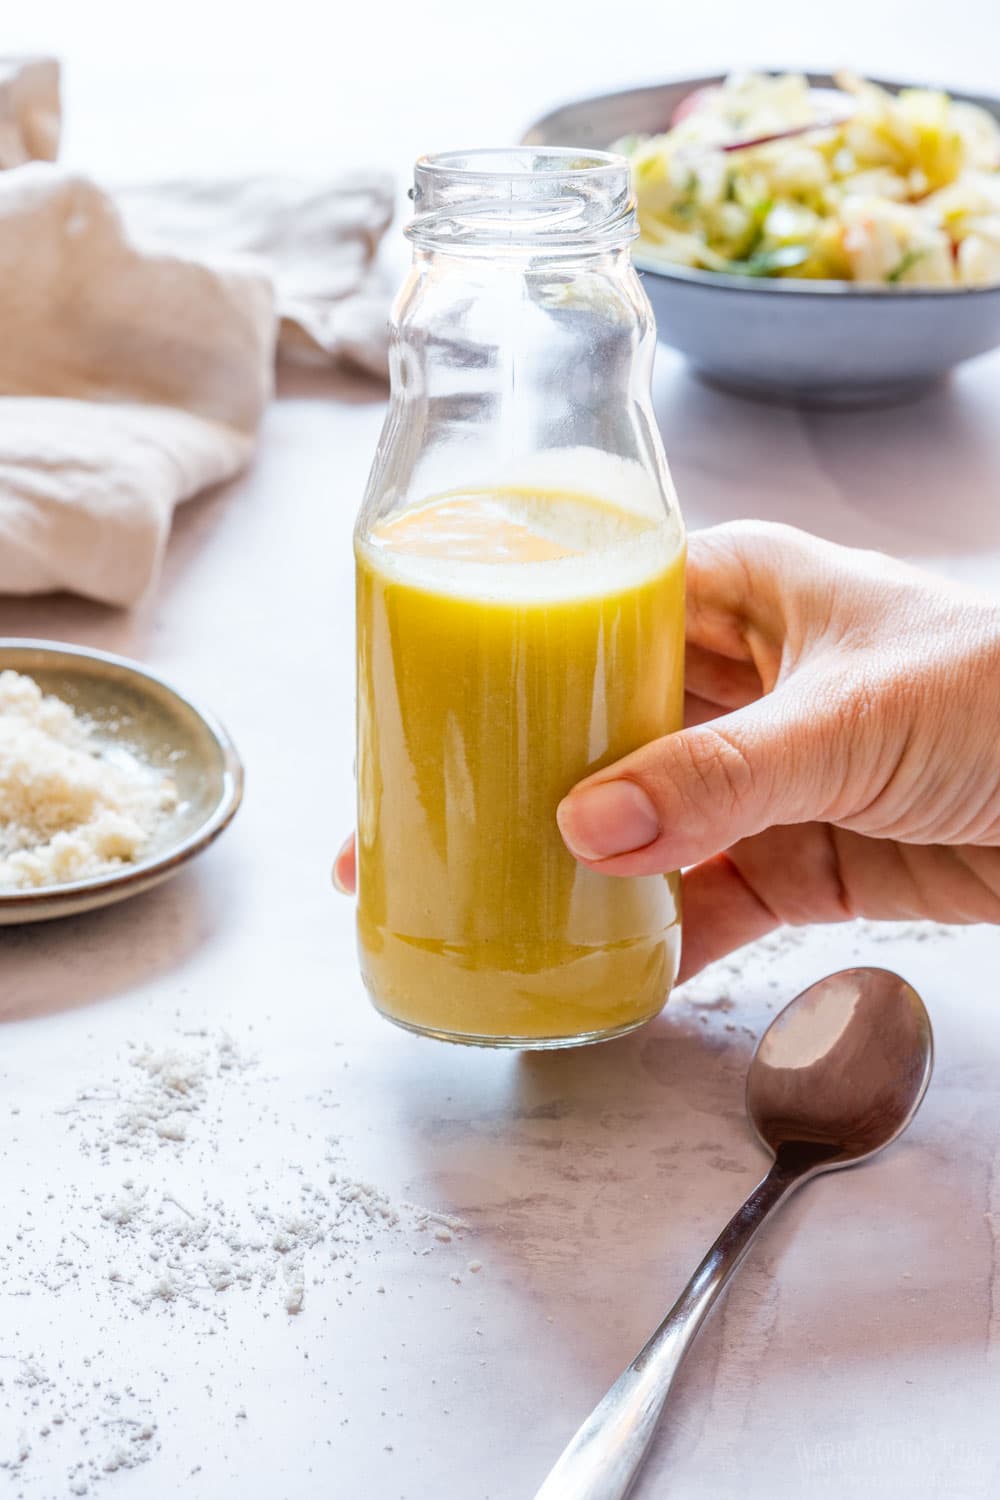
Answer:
(522, 341)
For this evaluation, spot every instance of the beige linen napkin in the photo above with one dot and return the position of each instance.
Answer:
(318, 240)
(138, 337)
(129, 381)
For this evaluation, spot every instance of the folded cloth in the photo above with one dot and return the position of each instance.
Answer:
(129, 380)
(138, 339)
(318, 241)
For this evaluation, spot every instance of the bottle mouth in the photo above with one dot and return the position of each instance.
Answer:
(554, 198)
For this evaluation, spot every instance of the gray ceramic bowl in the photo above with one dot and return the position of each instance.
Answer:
(816, 343)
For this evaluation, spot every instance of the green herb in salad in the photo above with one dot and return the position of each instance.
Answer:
(687, 205)
(906, 260)
(769, 262)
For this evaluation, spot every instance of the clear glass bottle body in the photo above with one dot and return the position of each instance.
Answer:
(520, 610)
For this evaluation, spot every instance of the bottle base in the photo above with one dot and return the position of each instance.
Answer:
(518, 1043)
(588, 995)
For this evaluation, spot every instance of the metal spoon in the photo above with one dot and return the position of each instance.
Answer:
(838, 1075)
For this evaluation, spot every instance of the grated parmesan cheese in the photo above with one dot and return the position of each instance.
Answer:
(69, 808)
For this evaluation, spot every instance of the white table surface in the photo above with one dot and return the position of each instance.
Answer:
(858, 1353)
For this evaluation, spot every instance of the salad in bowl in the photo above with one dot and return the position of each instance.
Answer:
(814, 239)
(768, 176)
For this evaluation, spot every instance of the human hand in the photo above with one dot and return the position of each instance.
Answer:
(840, 756)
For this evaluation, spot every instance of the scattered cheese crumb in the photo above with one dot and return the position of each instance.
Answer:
(188, 1255)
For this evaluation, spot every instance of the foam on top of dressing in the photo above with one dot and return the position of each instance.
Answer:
(565, 545)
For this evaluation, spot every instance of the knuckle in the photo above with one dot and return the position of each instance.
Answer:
(708, 767)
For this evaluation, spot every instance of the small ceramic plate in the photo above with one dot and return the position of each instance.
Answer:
(133, 708)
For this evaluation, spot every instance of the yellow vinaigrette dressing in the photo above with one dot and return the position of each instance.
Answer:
(509, 643)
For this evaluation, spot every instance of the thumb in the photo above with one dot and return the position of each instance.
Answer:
(683, 798)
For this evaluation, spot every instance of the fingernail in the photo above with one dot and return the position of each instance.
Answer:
(612, 817)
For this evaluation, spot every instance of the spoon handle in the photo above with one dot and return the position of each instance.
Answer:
(602, 1461)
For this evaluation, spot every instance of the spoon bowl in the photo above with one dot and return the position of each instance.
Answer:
(840, 1073)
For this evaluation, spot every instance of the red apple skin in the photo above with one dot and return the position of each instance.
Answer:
(697, 99)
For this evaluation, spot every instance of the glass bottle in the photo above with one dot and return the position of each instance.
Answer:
(520, 565)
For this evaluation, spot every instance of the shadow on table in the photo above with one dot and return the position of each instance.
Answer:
(917, 479)
(63, 965)
(323, 383)
(105, 627)
(584, 1117)
(66, 617)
